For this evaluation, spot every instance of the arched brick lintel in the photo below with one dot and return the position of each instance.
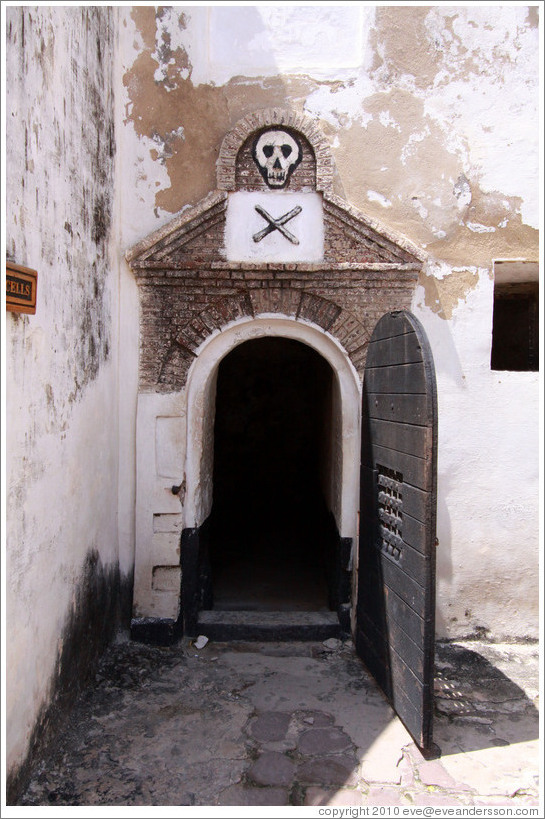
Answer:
(352, 335)
(233, 141)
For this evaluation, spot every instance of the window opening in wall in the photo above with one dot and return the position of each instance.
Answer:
(515, 328)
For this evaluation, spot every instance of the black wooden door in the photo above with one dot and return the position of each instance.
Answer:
(395, 629)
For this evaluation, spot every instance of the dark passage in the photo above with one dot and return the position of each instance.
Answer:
(271, 532)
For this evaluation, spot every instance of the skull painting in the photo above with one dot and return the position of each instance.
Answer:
(277, 154)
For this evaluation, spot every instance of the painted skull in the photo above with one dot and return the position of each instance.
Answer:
(277, 154)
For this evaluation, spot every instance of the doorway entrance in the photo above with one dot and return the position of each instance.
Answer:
(272, 487)
(272, 535)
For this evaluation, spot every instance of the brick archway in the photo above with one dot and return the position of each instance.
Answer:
(298, 305)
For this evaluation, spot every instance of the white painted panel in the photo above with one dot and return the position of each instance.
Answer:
(169, 446)
(169, 522)
(277, 38)
(166, 579)
(509, 272)
(245, 225)
(159, 513)
(165, 548)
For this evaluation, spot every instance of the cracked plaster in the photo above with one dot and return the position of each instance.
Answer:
(420, 112)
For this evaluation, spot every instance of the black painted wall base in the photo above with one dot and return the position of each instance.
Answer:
(156, 631)
(98, 610)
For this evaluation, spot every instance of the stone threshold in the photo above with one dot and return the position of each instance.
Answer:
(268, 625)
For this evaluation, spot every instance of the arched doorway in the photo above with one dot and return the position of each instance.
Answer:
(325, 420)
(272, 536)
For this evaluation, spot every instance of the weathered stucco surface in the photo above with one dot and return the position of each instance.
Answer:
(432, 118)
(431, 114)
(428, 126)
(61, 454)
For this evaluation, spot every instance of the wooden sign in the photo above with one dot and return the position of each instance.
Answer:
(21, 285)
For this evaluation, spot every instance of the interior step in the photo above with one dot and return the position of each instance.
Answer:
(268, 625)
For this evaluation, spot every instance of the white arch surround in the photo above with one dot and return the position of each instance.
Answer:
(200, 396)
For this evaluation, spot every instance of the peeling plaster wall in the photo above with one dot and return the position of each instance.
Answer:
(428, 114)
(432, 116)
(63, 587)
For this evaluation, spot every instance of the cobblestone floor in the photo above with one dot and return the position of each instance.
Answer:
(270, 724)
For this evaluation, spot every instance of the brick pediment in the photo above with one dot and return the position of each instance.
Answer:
(194, 235)
(197, 236)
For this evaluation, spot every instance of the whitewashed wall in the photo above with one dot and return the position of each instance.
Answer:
(431, 114)
(61, 363)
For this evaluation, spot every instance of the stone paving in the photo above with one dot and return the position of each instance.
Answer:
(292, 724)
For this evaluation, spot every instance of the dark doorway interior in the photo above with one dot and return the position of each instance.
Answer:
(271, 531)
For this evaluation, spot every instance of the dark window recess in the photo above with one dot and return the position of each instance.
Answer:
(515, 329)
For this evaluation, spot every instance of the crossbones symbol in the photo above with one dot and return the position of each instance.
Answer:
(277, 224)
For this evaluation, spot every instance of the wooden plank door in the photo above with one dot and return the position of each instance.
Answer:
(395, 631)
